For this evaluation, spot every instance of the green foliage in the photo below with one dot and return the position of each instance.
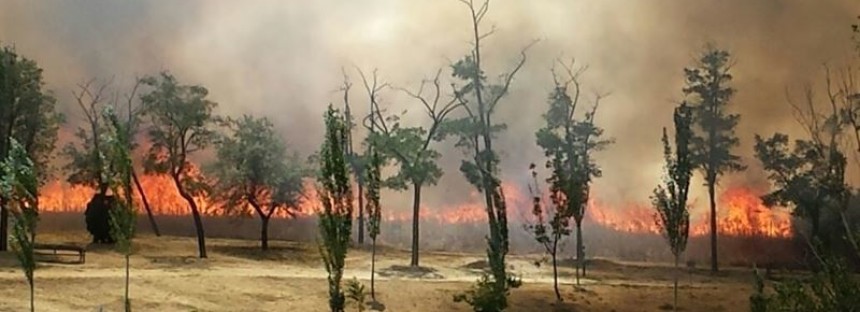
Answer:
(117, 174)
(486, 296)
(373, 179)
(18, 185)
(254, 169)
(356, 293)
(834, 288)
(27, 111)
(335, 192)
(709, 97)
(180, 119)
(670, 199)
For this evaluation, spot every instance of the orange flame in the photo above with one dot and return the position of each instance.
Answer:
(740, 211)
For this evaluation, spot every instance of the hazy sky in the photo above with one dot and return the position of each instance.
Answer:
(283, 60)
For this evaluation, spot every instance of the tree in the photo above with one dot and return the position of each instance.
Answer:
(374, 208)
(475, 132)
(410, 146)
(810, 176)
(254, 171)
(180, 118)
(568, 144)
(84, 166)
(116, 173)
(335, 194)
(709, 96)
(19, 184)
(670, 198)
(26, 115)
(356, 161)
(551, 234)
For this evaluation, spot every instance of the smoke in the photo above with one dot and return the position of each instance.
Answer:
(283, 60)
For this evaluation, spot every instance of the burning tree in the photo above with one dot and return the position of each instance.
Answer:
(335, 194)
(569, 144)
(254, 171)
(670, 198)
(85, 163)
(410, 147)
(117, 174)
(19, 184)
(475, 131)
(706, 84)
(180, 124)
(26, 115)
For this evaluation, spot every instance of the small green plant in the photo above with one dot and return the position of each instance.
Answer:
(374, 209)
(485, 296)
(18, 186)
(356, 293)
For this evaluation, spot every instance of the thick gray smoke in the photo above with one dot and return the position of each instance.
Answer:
(283, 60)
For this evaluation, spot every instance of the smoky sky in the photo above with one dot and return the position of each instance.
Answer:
(283, 60)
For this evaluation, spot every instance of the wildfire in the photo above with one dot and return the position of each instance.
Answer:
(740, 211)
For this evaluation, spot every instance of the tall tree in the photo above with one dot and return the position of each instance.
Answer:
(254, 171)
(568, 142)
(116, 173)
(476, 131)
(709, 96)
(19, 184)
(26, 115)
(670, 198)
(84, 166)
(181, 120)
(410, 147)
(335, 194)
(374, 208)
(357, 162)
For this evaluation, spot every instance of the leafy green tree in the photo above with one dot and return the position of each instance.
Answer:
(117, 172)
(357, 162)
(84, 166)
(670, 198)
(18, 184)
(27, 115)
(254, 171)
(410, 147)
(475, 132)
(374, 208)
(569, 143)
(709, 96)
(181, 121)
(335, 194)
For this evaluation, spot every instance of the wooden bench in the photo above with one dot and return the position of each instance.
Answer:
(57, 250)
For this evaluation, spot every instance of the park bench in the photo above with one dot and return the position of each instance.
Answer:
(58, 250)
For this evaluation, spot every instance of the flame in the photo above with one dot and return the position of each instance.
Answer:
(740, 210)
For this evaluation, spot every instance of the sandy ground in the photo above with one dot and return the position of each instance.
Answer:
(166, 276)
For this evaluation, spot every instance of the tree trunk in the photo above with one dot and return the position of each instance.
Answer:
(360, 213)
(264, 233)
(127, 301)
(4, 224)
(198, 221)
(416, 209)
(555, 272)
(675, 305)
(580, 251)
(32, 299)
(714, 265)
(145, 203)
(373, 269)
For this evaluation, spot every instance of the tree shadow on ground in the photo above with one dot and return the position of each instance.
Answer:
(274, 253)
(410, 272)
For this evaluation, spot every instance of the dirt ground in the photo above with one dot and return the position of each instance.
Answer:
(237, 276)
